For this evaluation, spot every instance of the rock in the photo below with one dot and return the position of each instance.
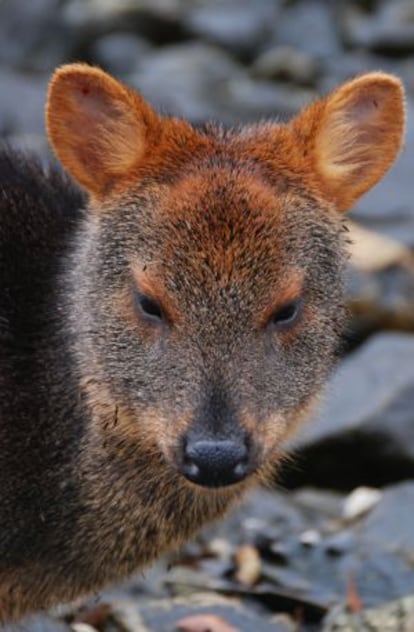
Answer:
(310, 25)
(39, 623)
(33, 35)
(360, 501)
(390, 29)
(245, 100)
(310, 537)
(340, 543)
(163, 615)
(396, 616)
(375, 551)
(370, 251)
(389, 524)
(156, 20)
(380, 283)
(364, 432)
(118, 53)
(327, 505)
(238, 26)
(382, 299)
(22, 103)
(201, 82)
(82, 627)
(185, 79)
(248, 565)
(286, 63)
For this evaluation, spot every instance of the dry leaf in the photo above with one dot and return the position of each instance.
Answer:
(204, 623)
(353, 599)
(248, 565)
(95, 616)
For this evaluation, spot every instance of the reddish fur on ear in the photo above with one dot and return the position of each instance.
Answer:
(99, 128)
(352, 136)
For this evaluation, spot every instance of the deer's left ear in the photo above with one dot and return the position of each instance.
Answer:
(353, 135)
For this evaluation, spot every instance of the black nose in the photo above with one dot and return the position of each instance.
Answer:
(215, 463)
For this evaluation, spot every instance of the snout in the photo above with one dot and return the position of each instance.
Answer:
(215, 463)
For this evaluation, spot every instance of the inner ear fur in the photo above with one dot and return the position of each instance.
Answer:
(99, 128)
(352, 136)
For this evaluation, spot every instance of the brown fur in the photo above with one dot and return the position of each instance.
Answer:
(222, 229)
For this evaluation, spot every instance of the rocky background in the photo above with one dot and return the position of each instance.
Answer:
(332, 547)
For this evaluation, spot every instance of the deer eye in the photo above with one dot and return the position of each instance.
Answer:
(287, 315)
(148, 308)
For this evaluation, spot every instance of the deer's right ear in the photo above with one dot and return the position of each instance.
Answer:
(98, 127)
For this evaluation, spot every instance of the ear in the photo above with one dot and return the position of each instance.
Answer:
(353, 136)
(98, 127)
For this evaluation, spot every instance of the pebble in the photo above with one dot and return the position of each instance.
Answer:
(286, 63)
(360, 501)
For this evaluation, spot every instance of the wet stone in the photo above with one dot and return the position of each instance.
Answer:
(339, 543)
(156, 20)
(22, 103)
(390, 524)
(390, 29)
(202, 82)
(366, 438)
(185, 79)
(382, 299)
(309, 24)
(286, 63)
(163, 615)
(239, 26)
(396, 616)
(23, 26)
(40, 623)
(119, 53)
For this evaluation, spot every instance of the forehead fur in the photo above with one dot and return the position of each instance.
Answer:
(224, 225)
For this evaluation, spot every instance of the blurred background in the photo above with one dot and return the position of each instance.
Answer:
(331, 547)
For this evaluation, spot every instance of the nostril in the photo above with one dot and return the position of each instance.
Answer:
(215, 463)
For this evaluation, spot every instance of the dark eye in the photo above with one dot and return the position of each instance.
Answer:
(287, 315)
(148, 307)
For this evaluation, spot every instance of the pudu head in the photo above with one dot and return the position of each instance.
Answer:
(208, 281)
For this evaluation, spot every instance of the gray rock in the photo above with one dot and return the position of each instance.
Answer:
(33, 35)
(163, 616)
(200, 82)
(247, 100)
(22, 103)
(374, 552)
(364, 432)
(310, 25)
(40, 623)
(286, 63)
(239, 26)
(156, 20)
(390, 29)
(382, 298)
(82, 11)
(119, 53)
(185, 79)
(390, 524)
(396, 616)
